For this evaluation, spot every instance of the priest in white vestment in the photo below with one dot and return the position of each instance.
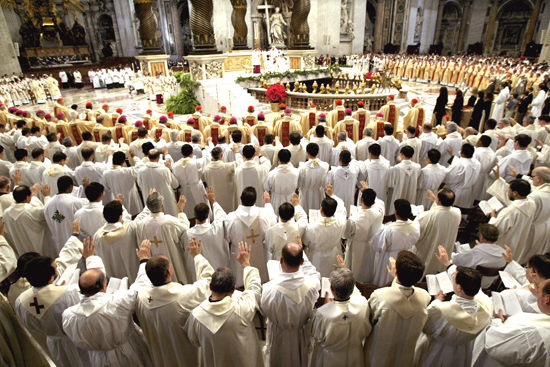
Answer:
(94, 171)
(221, 177)
(165, 233)
(188, 172)
(375, 172)
(164, 307)
(520, 158)
(389, 144)
(102, 323)
(500, 102)
(362, 146)
(60, 209)
(344, 178)
(282, 181)
(462, 174)
(438, 227)
(451, 145)
(26, 226)
(292, 223)
(248, 224)
(514, 221)
(404, 307)
(287, 301)
(122, 181)
(431, 178)
(323, 236)
(58, 169)
(360, 255)
(487, 160)
(403, 178)
(448, 336)
(429, 141)
(324, 142)
(223, 325)
(214, 247)
(411, 140)
(312, 178)
(41, 306)
(252, 173)
(341, 325)
(158, 176)
(393, 238)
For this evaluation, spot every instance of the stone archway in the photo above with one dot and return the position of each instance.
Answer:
(512, 20)
(370, 23)
(450, 27)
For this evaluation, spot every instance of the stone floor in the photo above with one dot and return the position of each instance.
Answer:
(135, 106)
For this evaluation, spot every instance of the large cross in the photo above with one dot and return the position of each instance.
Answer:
(325, 222)
(253, 237)
(266, 7)
(345, 317)
(37, 306)
(156, 241)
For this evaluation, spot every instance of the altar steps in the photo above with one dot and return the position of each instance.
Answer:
(228, 94)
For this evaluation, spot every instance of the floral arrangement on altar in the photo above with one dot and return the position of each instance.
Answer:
(276, 93)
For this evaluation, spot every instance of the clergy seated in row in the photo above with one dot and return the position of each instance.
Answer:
(102, 324)
(42, 304)
(288, 301)
(223, 326)
(311, 178)
(394, 237)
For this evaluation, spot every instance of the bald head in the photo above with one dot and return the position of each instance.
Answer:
(292, 257)
(91, 282)
(154, 155)
(543, 173)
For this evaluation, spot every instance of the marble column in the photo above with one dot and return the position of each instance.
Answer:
(466, 15)
(487, 45)
(10, 62)
(438, 23)
(532, 24)
(177, 28)
(124, 23)
(378, 27)
(92, 34)
(298, 24)
(240, 35)
(147, 26)
(204, 40)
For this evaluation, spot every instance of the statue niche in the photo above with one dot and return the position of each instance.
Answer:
(79, 34)
(239, 24)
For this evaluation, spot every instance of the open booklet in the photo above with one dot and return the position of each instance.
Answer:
(116, 284)
(417, 209)
(70, 276)
(507, 302)
(508, 280)
(325, 287)
(487, 206)
(439, 282)
(313, 215)
(462, 248)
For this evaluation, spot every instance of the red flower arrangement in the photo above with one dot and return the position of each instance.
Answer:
(276, 93)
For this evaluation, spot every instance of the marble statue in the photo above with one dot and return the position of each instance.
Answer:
(418, 25)
(344, 16)
(79, 34)
(278, 35)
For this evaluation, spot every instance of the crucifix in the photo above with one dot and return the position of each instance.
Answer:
(150, 299)
(156, 241)
(345, 317)
(36, 305)
(253, 237)
(266, 7)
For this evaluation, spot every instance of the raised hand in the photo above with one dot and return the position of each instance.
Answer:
(144, 250)
(328, 189)
(391, 269)
(120, 198)
(46, 190)
(75, 227)
(152, 191)
(194, 248)
(496, 171)
(364, 185)
(431, 196)
(295, 199)
(443, 256)
(508, 255)
(35, 189)
(16, 177)
(513, 171)
(210, 194)
(88, 247)
(85, 181)
(181, 203)
(299, 241)
(340, 262)
(267, 198)
(244, 254)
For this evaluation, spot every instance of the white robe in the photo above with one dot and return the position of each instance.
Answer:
(221, 177)
(403, 180)
(59, 212)
(519, 159)
(452, 141)
(165, 233)
(483, 254)
(414, 143)
(339, 329)
(362, 148)
(27, 229)
(360, 255)
(188, 172)
(157, 176)
(94, 172)
(281, 183)
(438, 227)
(52, 174)
(431, 177)
(8, 260)
(283, 233)
(487, 159)
(405, 308)
(376, 173)
(449, 333)
(311, 181)
(252, 174)
(35, 172)
(160, 308)
(462, 174)
(103, 325)
(287, 302)
(392, 238)
(536, 104)
(225, 329)
(500, 104)
(323, 238)
(344, 180)
(122, 181)
(249, 224)
(389, 146)
(214, 247)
